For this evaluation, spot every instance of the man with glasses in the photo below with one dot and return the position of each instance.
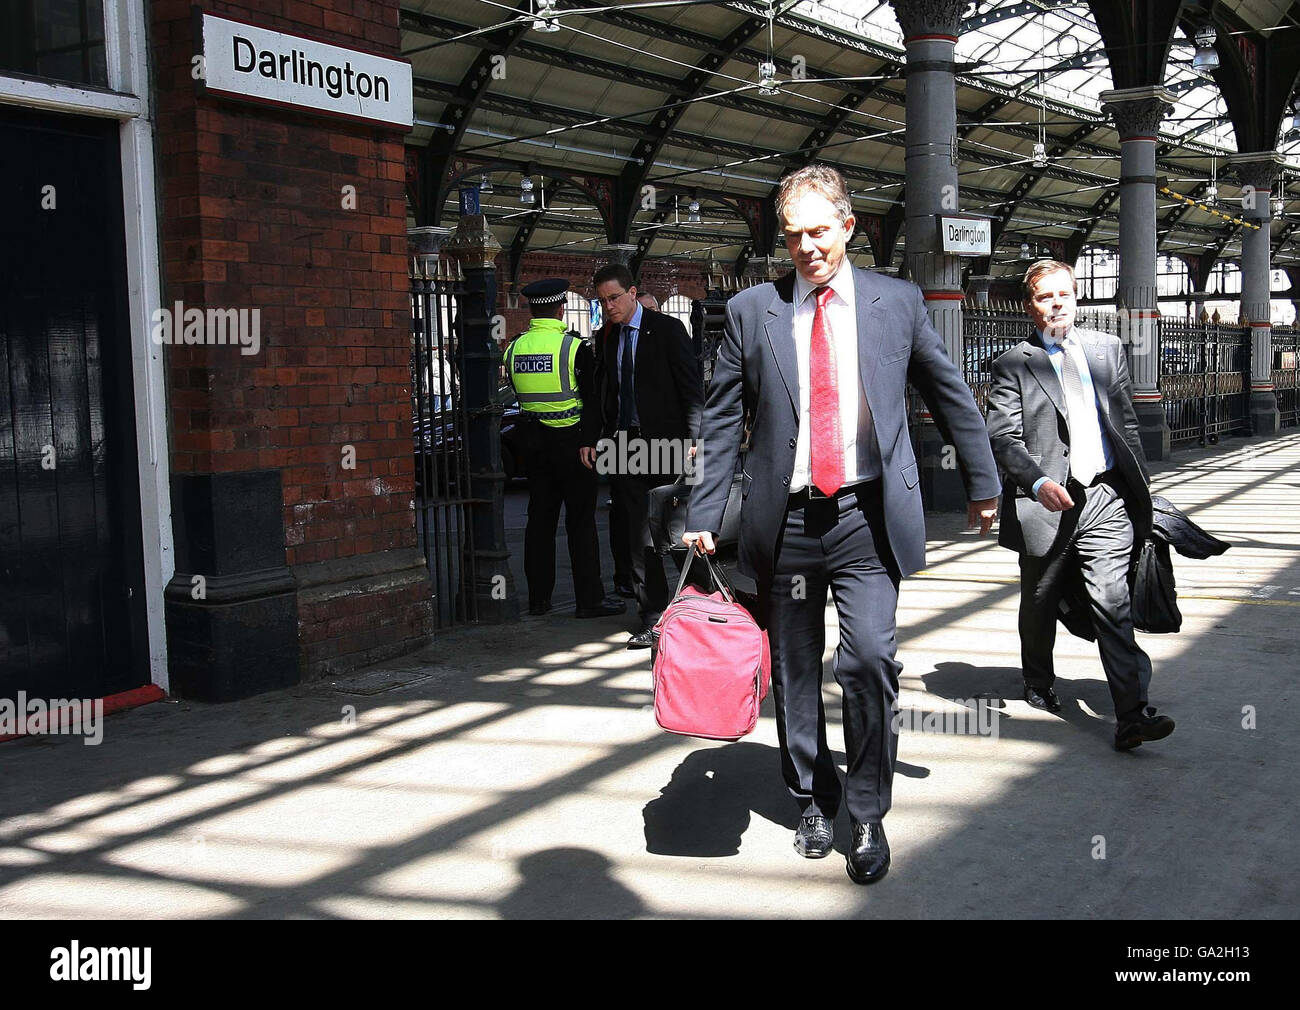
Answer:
(651, 401)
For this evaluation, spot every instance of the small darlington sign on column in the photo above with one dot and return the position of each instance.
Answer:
(256, 64)
(966, 236)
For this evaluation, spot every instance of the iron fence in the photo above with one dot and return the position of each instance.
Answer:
(1286, 373)
(1204, 381)
(440, 440)
(988, 332)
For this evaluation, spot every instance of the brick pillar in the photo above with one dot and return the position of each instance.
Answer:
(293, 465)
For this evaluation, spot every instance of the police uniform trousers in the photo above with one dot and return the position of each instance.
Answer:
(1096, 539)
(836, 545)
(556, 477)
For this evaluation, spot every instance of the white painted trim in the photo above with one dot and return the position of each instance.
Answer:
(75, 98)
(144, 284)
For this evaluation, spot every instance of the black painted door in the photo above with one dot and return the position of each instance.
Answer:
(71, 574)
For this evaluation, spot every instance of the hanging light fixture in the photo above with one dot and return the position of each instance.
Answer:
(1211, 193)
(1040, 145)
(1104, 259)
(767, 67)
(1277, 278)
(1279, 206)
(1024, 250)
(1205, 58)
(693, 211)
(1169, 264)
(485, 186)
(546, 19)
(526, 195)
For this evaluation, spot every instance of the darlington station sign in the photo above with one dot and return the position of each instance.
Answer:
(256, 64)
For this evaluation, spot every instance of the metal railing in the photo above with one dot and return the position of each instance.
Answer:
(988, 332)
(1204, 381)
(440, 440)
(1286, 373)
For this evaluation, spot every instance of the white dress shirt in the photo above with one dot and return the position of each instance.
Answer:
(855, 418)
(1073, 347)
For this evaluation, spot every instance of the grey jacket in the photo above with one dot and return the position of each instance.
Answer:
(757, 371)
(1027, 424)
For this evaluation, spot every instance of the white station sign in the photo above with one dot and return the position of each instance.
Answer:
(256, 64)
(966, 236)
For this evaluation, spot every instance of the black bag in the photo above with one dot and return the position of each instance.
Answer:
(1155, 598)
(668, 515)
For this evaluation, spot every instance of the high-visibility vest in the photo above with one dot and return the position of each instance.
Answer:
(540, 363)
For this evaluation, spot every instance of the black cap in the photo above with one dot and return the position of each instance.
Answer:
(546, 292)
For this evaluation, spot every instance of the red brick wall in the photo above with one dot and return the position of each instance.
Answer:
(252, 217)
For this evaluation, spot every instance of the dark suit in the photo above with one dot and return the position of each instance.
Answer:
(1029, 427)
(857, 546)
(669, 401)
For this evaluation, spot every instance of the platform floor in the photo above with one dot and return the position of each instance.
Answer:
(518, 772)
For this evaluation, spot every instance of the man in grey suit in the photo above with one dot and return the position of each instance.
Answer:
(1075, 502)
(830, 495)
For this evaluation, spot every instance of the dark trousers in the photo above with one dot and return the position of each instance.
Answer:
(840, 547)
(1097, 540)
(647, 566)
(557, 477)
(619, 545)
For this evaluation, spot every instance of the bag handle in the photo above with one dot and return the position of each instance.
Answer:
(715, 571)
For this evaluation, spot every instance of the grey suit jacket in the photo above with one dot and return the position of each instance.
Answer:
(757, 370)
(1029, 429)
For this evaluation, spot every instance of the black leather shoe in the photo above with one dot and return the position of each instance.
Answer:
(643, 639)
(607, 607)
(1145, 729)
(814, 836)
(868, 858)
(624, 589)
(1045, 698)
(539, 608)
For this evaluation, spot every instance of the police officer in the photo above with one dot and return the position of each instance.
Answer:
(553, 371)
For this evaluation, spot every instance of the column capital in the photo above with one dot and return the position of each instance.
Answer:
(425, 244)
(1256, 168)
(619, 252)
(473, 243)
(1137, 111)
(929, 17)
(768, 268)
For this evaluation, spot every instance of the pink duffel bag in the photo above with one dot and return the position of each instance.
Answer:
(712, 666)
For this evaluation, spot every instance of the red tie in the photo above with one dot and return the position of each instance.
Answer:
(826, 450)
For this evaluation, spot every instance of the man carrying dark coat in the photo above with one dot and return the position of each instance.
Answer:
(1075, 498)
